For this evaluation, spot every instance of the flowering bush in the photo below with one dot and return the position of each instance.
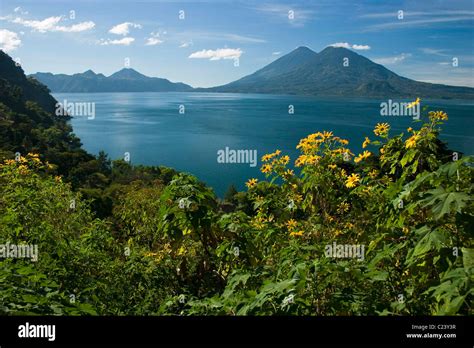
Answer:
(404, 203)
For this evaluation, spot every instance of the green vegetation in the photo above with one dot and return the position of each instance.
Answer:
(116, 239)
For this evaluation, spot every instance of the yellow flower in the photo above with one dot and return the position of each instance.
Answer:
(285, 159)
(313, 159)
(296, 234)
(277, 152)
(362, 156)
(288, 173)
(23, 169)
(365, 143)
(266, 168)
(411, 142)
(297, 198)
(301, 160)
(304, 144)
(266, 157)
(10, 161)
(258, 222)
(438, 115)
(343, 207)
(259, 199)
(373, 173)
(181, 250)
(352, 180)
(332, 166)
(326, 135)
(251, 183)
(337, 232)
(409, 129)
(291, 224)
(343, 141)
(58, 178)
(381, 129)
(343, 173)
(316, 135)
(414, 103)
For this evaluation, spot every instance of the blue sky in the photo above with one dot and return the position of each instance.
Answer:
(204, 47)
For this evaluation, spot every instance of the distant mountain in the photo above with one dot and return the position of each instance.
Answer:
(306, 72)
(125, 80)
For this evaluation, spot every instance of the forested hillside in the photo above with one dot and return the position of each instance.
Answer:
(117, 239)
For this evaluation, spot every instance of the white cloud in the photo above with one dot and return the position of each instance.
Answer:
(361, 47)
(152, 41)
(220, 53)
(50, 24)
(186, 44)
(20, 10)
(47, 24)
(348, 45)
(126, 41)
(276, 53)
(76, 28)
(392, 60)
(433, 51)
(124, 28)
(9, 40)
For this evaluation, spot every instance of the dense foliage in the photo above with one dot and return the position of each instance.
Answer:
(118, 239)
(168, 248)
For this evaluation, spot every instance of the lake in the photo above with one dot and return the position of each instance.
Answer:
(151, 128)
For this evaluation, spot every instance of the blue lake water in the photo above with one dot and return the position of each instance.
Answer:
(150, 127)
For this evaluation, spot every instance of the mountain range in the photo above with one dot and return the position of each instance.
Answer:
(331, 72)
(125, 80)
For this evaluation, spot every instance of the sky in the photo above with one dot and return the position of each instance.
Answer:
(210, 43)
